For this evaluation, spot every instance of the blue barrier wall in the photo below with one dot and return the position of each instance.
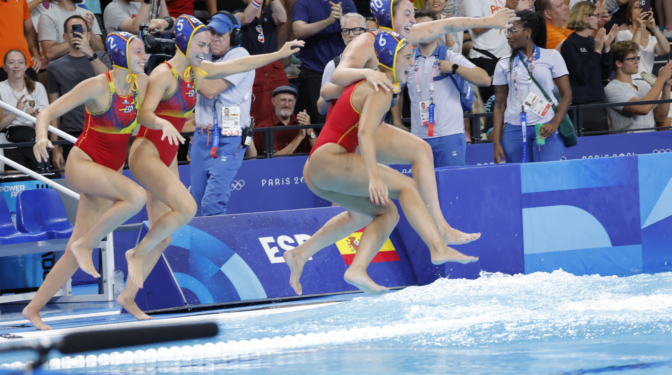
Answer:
(610, 216)
(239, 258)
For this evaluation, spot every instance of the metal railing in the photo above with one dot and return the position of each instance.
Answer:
(576, 112)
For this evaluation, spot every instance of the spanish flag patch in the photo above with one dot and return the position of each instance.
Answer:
(349, 245)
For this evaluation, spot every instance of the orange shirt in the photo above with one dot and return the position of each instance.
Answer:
(11, 28)
(555, 36)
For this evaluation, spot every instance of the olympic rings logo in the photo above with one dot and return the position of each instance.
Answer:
(237, 184)
(662, 151)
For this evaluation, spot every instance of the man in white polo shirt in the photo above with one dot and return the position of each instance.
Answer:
(446, 133)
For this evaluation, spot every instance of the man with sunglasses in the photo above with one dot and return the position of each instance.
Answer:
(624, 89)
(260, 20)
(352, 25)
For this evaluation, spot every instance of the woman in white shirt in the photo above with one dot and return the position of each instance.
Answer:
(26, 95)
(513, 87)
(646, 34)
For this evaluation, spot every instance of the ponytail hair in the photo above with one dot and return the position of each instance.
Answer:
(30, 84)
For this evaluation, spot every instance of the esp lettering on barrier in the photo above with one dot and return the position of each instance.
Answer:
(285, 242)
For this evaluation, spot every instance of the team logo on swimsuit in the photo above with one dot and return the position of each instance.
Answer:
(349, 245)
(191, 93)
(126, 102)
(128, 109)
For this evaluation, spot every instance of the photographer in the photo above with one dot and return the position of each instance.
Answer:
(222, 106)
(63, 74)
(126, 15)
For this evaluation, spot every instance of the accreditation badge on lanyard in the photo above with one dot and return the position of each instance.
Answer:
(230, 126)
(426, 106)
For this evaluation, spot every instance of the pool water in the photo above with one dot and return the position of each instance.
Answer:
(498, 324)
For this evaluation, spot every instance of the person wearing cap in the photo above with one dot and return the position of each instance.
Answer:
(211, 176)
(108, 198)
(287, 141)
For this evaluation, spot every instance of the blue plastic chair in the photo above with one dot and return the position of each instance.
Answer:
(9, 235)
(42, 210)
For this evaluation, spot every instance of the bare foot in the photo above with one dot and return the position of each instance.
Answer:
(452, 236)
(84, 258)
(359, 278)
(135, 267)
(35, 319)
(448, 254)
(295, 264)
(129, 304)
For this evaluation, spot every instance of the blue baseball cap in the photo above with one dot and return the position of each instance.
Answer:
(222, 23)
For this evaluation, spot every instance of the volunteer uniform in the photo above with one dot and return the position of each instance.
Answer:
(546, 65)
(446, 135)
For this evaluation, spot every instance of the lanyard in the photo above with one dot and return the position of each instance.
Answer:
(215, 129)
(523, 115)
(430, 131)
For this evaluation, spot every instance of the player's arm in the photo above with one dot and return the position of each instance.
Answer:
(426, 31)
(244, 64)
(352, 67)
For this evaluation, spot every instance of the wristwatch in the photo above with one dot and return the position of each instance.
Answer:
(93, 57)
(313, 135)
(455, 66)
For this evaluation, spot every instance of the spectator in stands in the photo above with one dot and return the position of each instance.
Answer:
(489, 45)
(454, 41)
(64, 74)
(285, 142)
(17, 32)
(228, 5)
(26, 95)
(445, 136)
(515, 90)
(352, 25)
(624, 89)
(177, 8)
(127, 15)
(317, 23)
(588, 61)
(260, 23)
(230, 100)
(51, 32)
(646, 34)
(371, 24)
(664, 10)
(555, 13)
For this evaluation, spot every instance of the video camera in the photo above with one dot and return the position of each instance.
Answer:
(157, 47)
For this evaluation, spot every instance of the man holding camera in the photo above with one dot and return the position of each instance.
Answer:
(222, 121)
(127, 15)
(63, 74)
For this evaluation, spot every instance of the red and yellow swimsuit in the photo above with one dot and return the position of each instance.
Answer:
(174, 108)
(342, 126)
(106, 134)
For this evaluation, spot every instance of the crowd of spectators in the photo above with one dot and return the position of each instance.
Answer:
(595, 39)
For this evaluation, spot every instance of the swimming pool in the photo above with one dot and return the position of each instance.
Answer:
(498, 324)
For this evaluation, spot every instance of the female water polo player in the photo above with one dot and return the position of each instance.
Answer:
(107, 198)
(171, 97)
(359, 62)
(358, 183)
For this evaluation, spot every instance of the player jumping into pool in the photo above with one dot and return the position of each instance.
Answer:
(171, 97)
(358, 183)
(359, 62)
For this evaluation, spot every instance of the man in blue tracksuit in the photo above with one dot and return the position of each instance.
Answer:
(222, 107)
